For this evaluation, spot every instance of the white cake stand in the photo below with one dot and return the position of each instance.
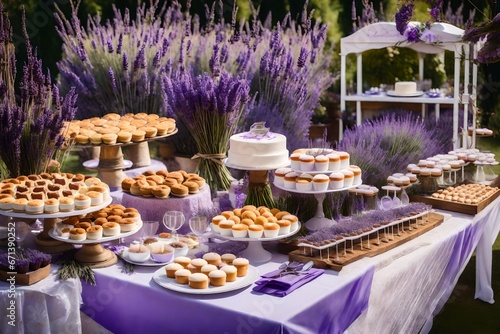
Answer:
(319, 220)
(92, 253)
(255, 253)
(43, 239)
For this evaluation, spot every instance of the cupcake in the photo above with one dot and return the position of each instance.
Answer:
(271, 230)
(226, 228)
(51, 205)
(19, 205)
(336, 180)
(294, 222)
(94, 232)
(34, 206)
(184, 261)
(306, 162)
(344, 159)
(96, 198)
(82, 202)
(357, 174)
(348, 177)
(320, 182)
(110, 229)
(279, 176)
(333, 161)
(241, 265)
(239, 230)
(303, 185)
(255, 231)
(198, 264)
(171, 268)
(126, 225)
(208, 268)
(295, 161)
(231, 273)
(290, 180)
(198, 281)
(217, 277)
(6, 203)
(285, 226)
(321, 163)
(77, 234)
(182, 276)
(227, 258)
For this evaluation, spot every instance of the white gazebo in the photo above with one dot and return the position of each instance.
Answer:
(384, 34)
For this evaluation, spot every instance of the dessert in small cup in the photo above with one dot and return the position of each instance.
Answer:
(138, 252)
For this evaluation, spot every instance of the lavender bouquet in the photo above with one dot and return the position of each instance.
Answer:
(31, 133)
(210, 109)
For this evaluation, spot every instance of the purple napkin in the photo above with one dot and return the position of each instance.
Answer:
(282, 286)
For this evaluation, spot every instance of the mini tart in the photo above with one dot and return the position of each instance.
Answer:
(217, 277)
(212, 258)
(124, 136)
(179, 190)
(100, 221)
(96, 198)
(198, 179)
(51, 205)
(19, 205)
(77, 234)
(231, 273)
(182, 276)
(110, 229)
(127, 224)
(34, 206)
(138, 135)
(82, 139)
(6, 203)
(198, 281)
(82, 202)
(109, 138)
(171, 268)
(83, 224)
(96, 139)
(150, 131)
(94, 232)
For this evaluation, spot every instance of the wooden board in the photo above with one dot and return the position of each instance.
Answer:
(442, 204)
(328, 259)
(29, 278)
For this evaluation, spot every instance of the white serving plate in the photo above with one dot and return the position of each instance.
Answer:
(161, 279)
(416, 94)
(148, 263)
(53, 234)
(279, 237)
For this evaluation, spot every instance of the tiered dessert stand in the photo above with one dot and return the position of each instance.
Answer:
(44, 239)
(110, 164)
(319, 220)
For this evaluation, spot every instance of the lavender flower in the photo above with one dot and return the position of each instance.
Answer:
(412, 34)
(403, 16)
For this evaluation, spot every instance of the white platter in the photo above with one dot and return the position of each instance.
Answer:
(94, 164)
(161, 279)
(57, 214)
(53, 234)
(314, 191)
(148, 263)
(394, 94)
(279, 237)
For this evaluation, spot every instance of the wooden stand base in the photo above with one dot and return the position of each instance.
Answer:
(95, 256)
(110, 169)
(337, 257)
(139, 155)
(48, 245)
(27, 279)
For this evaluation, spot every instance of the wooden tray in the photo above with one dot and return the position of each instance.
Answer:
(29, 278)
(470, 209)
(326, 258)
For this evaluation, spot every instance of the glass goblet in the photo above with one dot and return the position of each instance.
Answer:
(149, 228)
(173, 220)
(199, 226)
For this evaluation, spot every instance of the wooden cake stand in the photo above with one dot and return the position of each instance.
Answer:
(111, 164)
(92, 253)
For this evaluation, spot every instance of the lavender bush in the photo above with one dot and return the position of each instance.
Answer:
(386, 146)
(210, 109)
(31, 133)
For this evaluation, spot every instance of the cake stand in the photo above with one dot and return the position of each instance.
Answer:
(44, 240)
(92, 253)
(319, 220)
(255, 253)
(258, 179)
(111, 164)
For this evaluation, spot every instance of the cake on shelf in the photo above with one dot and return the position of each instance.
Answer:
(257, 148)
(405, 88)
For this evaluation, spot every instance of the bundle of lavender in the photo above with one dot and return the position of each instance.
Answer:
(24, 260)
(31, 132)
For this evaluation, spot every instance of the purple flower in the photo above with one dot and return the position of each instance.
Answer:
(125, 61)
(403, 16)
(301, 62)
(412, 34)
(435, 13)
(112, 79)
(428, 36)
(120, 44)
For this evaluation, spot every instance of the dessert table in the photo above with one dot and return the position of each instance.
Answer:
(328, 304)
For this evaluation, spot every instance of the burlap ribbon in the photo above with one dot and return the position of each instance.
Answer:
(216, 157)
(111, 164)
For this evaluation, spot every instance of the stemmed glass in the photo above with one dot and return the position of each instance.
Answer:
(149, 228)
(199, 225)
(173, 220)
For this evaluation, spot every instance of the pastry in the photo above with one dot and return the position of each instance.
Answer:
(100, 221)
(94, 232)
(82, 202)
(183, 261)
(19, 205)
(110, 229)
(212, 258)
(198, 264)
(228, 258)
(95, 139)
(320, 182)
(285, 226)
(161, 191)
(63, 231)
(124, 136)
(241, 265)
(321, 163)
(150, 131)
(179, 190)
(198, 281)
(231, 273)
(239, 230)
(6, 203)
(96, 198)
(226, 228)
(34, 206)
(83, 224)
(336, 180)
(271, 230)
(77, 234)
(192, 186)
(255, 231)
(306, 162)
(217, 277)
(109, 138)
(127, 224)
(206, 269)
(138, 135)
(333, 161)
(182, 276)
(215, 222)
(171, 268)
